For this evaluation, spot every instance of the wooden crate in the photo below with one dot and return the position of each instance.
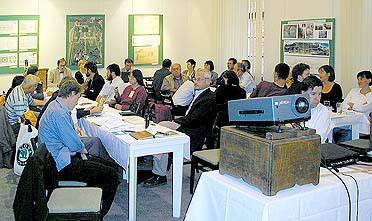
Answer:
(274, 164)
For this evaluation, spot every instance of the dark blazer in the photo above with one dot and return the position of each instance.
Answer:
(157, 81)
(198, 122)
(94, 87)
(79, 77)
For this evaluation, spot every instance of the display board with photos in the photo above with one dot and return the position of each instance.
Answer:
(19, 42)
(308, 41)
(145, 40)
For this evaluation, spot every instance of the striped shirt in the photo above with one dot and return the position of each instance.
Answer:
(17, 103)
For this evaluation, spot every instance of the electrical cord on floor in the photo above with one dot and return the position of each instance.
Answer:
(357, 196)
(347, 190)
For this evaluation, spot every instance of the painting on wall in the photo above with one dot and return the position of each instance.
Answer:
(85, 38)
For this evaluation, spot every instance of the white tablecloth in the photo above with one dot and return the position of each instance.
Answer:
(113, 129)
(222, 197)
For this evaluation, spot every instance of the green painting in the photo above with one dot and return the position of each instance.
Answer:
(85, 37)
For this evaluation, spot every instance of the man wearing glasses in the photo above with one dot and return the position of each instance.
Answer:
(197, 124)
(56, 75)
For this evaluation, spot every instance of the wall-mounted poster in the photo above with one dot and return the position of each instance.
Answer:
(19, 41)
(85, 38)
(145, 43)
(308, 41)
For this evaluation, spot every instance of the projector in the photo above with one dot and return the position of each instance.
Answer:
(268, 111)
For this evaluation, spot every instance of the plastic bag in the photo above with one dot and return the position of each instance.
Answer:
(24, 147)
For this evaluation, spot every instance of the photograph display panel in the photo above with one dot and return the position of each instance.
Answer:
(308, 41)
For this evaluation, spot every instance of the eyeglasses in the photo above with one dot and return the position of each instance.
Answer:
(199, 79)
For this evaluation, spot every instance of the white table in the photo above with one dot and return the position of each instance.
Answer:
(125, 149)
(358, 121)
(222, 197)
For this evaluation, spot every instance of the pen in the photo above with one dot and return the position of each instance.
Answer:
(127, 131)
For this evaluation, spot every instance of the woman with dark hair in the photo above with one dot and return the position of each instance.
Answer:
(133, 95)
(229, 91)
(210, 67)
(332, 91)
(360, 99)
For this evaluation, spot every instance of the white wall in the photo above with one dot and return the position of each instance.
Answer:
(189, 28)
(353, 51)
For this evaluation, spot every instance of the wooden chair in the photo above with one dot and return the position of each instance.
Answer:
(209, 158)
(65, 203)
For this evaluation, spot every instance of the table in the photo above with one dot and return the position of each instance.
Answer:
(222, 197)
(358, 121)
(125, 149)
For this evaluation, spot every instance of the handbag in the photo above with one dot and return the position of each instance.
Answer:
(24, 148)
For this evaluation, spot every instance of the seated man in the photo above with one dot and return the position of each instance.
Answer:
(172, 82)
(113, 80)
(19, 100)
(182, 98)
(320, 116)
(299, 72)
(39, 95)
(94, 82)
(72, 159)
(92, 144)
(126, 70)
(196, 124)
(159, 76)
(55, 75)
(276, 88)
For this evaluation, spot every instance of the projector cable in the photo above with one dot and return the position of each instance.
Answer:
(357, 196)
(347, 190)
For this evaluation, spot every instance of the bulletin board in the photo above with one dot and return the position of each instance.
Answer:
(145, 39)
(308, 41)
(19, 41)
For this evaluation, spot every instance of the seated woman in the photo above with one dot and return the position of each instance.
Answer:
(331, 91)
(230, 91)
(133, 95)
(360, 99)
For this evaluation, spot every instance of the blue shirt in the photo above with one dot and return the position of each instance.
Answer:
(57, 131)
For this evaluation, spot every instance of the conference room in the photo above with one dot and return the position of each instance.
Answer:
(43, 32)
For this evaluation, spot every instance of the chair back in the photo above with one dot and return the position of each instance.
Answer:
(30, 202)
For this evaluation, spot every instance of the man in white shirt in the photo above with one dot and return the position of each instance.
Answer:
(320, 115)
(113, 81)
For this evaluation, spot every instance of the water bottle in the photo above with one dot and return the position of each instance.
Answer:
(147, 120)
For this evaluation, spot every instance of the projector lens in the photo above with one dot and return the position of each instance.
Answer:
(302, 105)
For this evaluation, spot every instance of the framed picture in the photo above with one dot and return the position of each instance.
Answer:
(145, 43)
(85, 38)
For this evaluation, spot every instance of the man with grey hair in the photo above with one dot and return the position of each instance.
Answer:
(197, 124)
(19, 100)
(72, 158)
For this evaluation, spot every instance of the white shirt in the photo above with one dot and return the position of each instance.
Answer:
(247, 82)
(362, 102)
(108, 88)
(184, 95)
(321, 121)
